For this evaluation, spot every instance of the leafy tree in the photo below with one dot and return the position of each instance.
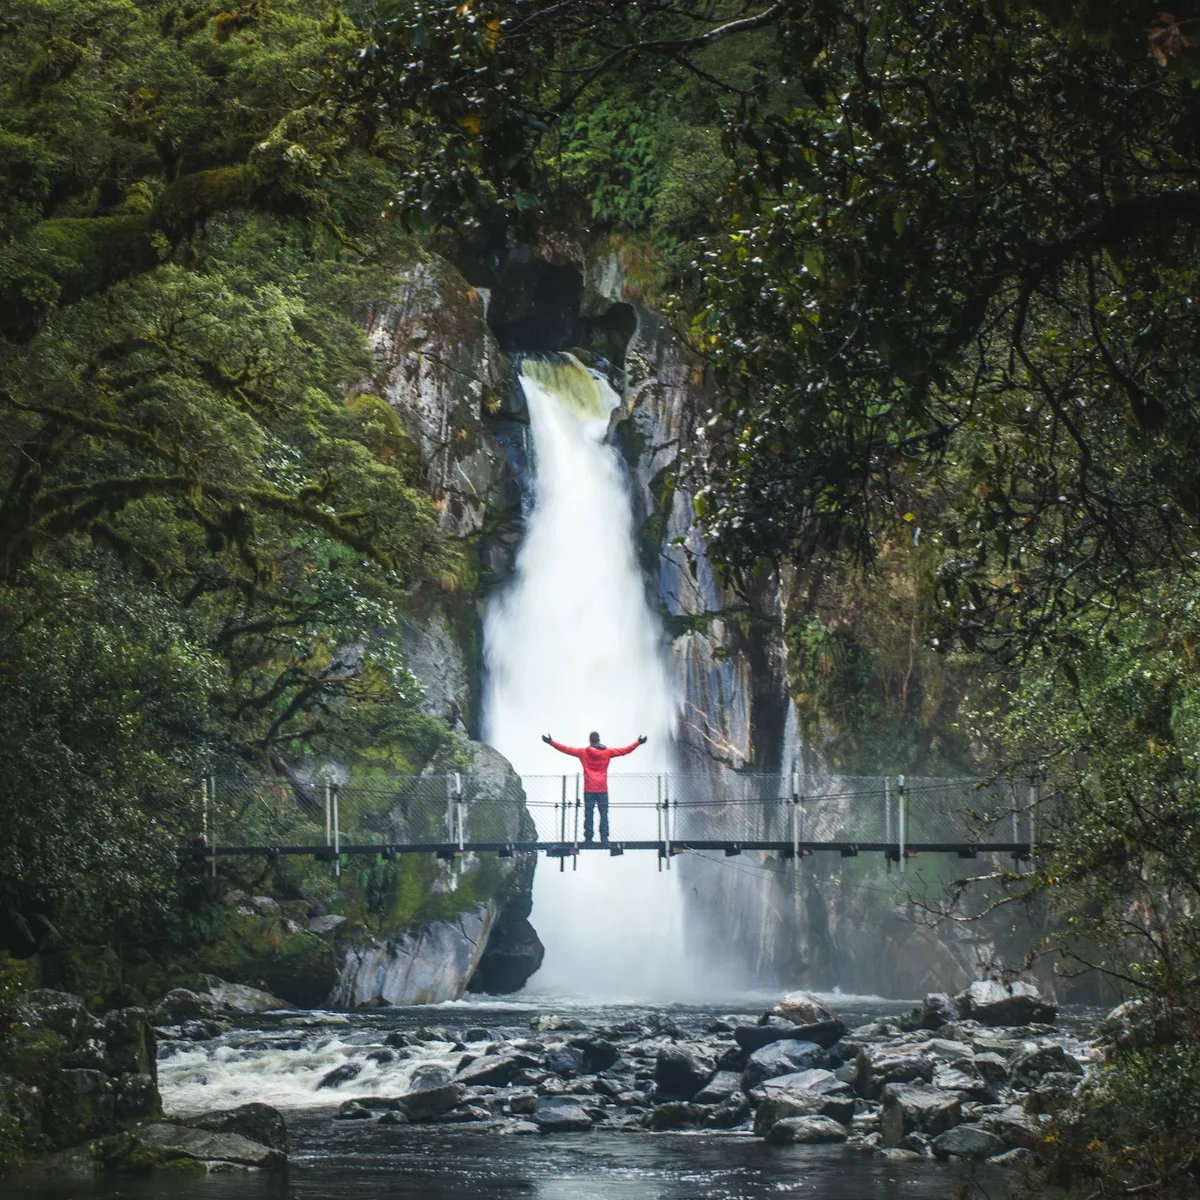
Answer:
(209, 526)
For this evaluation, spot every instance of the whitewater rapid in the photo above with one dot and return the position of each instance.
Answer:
(573, 646)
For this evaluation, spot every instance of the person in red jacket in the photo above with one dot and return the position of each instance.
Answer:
(595, 757)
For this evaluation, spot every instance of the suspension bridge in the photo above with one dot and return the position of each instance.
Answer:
(455, 814)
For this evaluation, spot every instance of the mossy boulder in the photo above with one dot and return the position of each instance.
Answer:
(93, 973)
(260, 951)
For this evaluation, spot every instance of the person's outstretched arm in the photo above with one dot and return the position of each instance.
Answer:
(626, 749)
(574, 751)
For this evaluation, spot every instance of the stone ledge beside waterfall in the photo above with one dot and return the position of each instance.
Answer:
(424, 967)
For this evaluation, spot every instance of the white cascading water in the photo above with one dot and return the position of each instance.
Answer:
(572, 646)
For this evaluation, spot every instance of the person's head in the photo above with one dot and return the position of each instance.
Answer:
(594, 738)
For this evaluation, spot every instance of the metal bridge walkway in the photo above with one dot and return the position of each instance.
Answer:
(787, 816)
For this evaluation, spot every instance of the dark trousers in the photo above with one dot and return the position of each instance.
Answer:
(592, 801)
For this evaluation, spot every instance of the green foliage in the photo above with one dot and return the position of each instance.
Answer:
(1134, 1124)
(209, 528)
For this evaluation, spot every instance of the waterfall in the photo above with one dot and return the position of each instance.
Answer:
(571, 646)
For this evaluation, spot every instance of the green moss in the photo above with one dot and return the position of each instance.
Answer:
(259, 951)
(93, 972)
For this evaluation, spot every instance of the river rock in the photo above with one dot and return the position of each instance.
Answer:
(1016, 1003)
(63, 1012)
(599, 1054)
(796, 1130)
(559, 1115)
(966, 1141)
(733, 1111)
(675, 1114)
(180, 1005)
(719, 1088)
(340, 1075)
(240, 1000)
(136, 1096)
(352, 1110)
(426, 1103)
(182, 1142)
(805, 1093)
(565, 1060)
(935, 1010)
(879, 1066)
(962, 1077)
(803, 1008)
(781, 1058)
(1029, 1065)
(551, 1022)
(680, 1071)
(1014, 1127)
(911, 1108)
(129, 1042)
(774, 1029)
(495, 1070)
(257, 1122)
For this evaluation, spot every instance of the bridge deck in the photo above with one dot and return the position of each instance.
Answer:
(566, 849)
(788, 816)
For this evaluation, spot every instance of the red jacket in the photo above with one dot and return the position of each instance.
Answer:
(595, 763)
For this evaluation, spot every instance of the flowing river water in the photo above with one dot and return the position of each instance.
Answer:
(281, 1058)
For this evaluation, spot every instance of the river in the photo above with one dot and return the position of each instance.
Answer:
(280, 1058)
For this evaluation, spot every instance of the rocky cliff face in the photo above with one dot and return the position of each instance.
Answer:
(818, 923)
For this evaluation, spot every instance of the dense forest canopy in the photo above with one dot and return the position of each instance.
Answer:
(939, 255)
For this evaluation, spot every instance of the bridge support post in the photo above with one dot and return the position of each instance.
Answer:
(575, 841)
(795, 822)
(658, 814)
(901, 815)
(667, 818)
(458, 809)
(887, 808)
(328, 817)
(337, 836)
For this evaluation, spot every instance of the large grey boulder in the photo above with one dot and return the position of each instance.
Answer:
(675, 1114)
(719, 1088)
(934, 1011)
(1014, 1127)
(565, 1060)
(681, 1070)
(129, 1042)
(1027, 1067)
(427, 1103)
(966, 1141)
(962, 1077)
(782, 1058)
(1016, 1003)
(805, 1093)
(256, 1122)
(774, 1029)
(1139, 1024)
(495, 1070)
(731, 1112)
(181, 1004)
(796, 1130)
(559, 1114)
(909, 1108)
(880, 1065)
(137, 1096)
(182, 1142)
(803, 1008)
(63, 1012)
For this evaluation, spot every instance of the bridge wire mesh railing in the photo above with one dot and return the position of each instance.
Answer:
(461, 810)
